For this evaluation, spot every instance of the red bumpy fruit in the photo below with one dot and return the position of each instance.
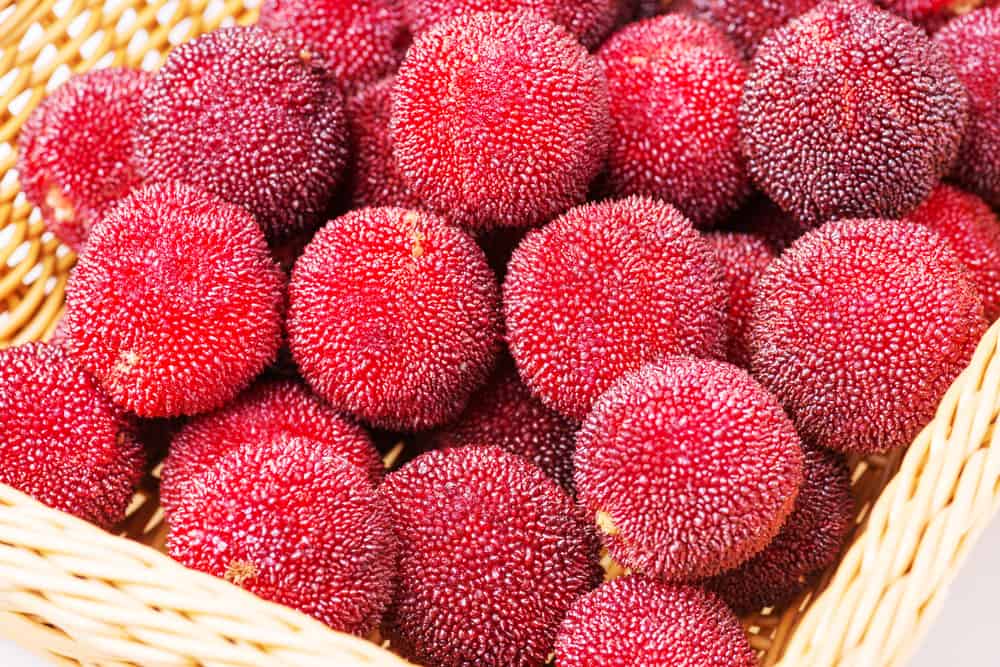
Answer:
(76, 154)
(176, 304)
(810, 540)
(493, 553)
(860, 327)
(746, 22)
(689, 466)
(394, 317)
(64, 443)
(973, 231)
(294, 525)
(674, 87)
(602, 290)
(269, 412)
(637, 621)
(972, 43)
(850, 111)
(499, 119)
(359, 41)
(240, 113)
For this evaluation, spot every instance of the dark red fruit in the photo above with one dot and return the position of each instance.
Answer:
(932, 14)
(637, 621)
(64, 443)
(270, 413)
(689, 466)
(293, 525)
(76, 154)
(743, 257)
(762, 218)
(746, 22)
(493, 553)
(972, 43)
(394, 317)
(604, 289)
(240, 113)
(674, 87)
(860, 327)
(850, 111)
(359, 41)
(505, 414)
(810, 540)
(590, 21)
(175, 306)
(499, 119)
(375, 181)
(973, 231)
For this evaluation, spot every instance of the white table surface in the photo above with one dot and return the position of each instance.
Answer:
(964, 635)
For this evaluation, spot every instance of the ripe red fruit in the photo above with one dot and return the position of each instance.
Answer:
(973, 231)
(64, 443)
(359, 41)
(499, 119)
(394, 317)
(674, 87)
(810, 540)
(762, 218)
(589, 21)
(175, 306)
(293, 525)
(270, 412)
(76, 154)
(375, 180)
(746, 22)
(604, 289)
(493, 553)
(860, 327)
(972, 43)
(689, 466)
(850, 111)
(505, 414)
(637, 621)
(932, 14)
(743, 258)
(240, 113)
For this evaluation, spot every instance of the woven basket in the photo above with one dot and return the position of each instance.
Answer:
(82, 596)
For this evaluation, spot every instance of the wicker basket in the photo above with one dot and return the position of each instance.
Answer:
(82, 596)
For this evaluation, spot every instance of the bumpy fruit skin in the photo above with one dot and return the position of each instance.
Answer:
(359, 41)
(589, 21)
(240, 113)
(76, 154)
(604, 289)
(493, 553)
(674, 87)
(269, 412)
(850, 111)
(634, 620)
(375, 180)
(689, 466)
(394, 317)
(810, 540)
(972, 43)
(932, 14)
(64, 443)
(499, 119)
(973, 231)
(505, 414)
(293, 525)
(746, 22)
(743, 258)
(176, 304)
(860, 327)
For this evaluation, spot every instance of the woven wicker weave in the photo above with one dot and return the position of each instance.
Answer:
(82, 596)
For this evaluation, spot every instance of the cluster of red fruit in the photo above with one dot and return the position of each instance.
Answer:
(672, 371)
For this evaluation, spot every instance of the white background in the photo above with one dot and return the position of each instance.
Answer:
(964, 635)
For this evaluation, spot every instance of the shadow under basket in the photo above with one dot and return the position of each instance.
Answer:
(83, 596)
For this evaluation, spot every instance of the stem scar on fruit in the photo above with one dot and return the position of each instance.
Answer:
(239, 571)
(417, 238)
(605, 523)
